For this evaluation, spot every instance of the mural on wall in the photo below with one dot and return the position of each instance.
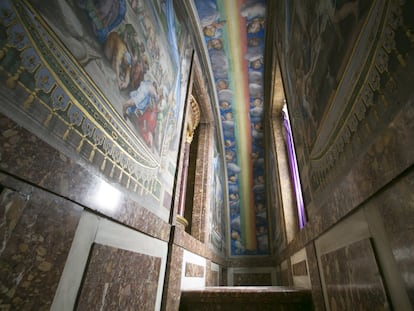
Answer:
(358, 82)
(129, 48)
(217, 230)
(277, 234)
(234, 37)
(104, 78)
(318, 39)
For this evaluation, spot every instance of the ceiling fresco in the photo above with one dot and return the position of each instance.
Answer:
(234, 36)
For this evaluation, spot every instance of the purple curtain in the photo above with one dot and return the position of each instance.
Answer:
(297, 187)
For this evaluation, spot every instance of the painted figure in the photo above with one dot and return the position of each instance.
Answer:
(121, 60)
(140, 99)
(105, 15)
(142, 108)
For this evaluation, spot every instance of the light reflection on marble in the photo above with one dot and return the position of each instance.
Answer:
(106, 197)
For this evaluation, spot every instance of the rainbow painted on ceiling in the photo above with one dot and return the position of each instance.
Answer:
(234, 35)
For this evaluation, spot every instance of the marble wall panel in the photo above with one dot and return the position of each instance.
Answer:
(213, 274)
(37, 230)
(352, 278)
(25, 155)
(299, 269)
(194, 270)
(172, 287)
(118, 279)
(252, 279)
(396, 206)
(223, 277)
(251, 276)
(286, 278)
(315, 280)
(190, 243)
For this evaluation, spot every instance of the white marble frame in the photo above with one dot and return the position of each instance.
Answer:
(94, 229)
(193, 282)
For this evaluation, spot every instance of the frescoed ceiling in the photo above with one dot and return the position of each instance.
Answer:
(234, 38)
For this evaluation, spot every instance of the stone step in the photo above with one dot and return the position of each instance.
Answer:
(243, 298)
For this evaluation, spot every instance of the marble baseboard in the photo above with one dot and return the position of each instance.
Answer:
(246, 298)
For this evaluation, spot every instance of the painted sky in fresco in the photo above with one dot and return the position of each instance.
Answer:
(234, 36)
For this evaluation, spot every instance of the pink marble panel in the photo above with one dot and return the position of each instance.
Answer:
(252, 279)
(118, 279)
(396, 205)
(37, 230)
(193, 270)
(352, 278)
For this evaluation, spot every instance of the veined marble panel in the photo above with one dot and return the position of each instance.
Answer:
(172, 290)
(284, 273)
(213, 274)
(248, 276)
(37, 230)
(118, 279)
(107, 253)
(300, 269)
(194, 270)
(188, 282)
(396, 206)
(315, 279)
(352, 278)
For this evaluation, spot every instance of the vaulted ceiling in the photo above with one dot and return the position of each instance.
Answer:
(234, 35)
